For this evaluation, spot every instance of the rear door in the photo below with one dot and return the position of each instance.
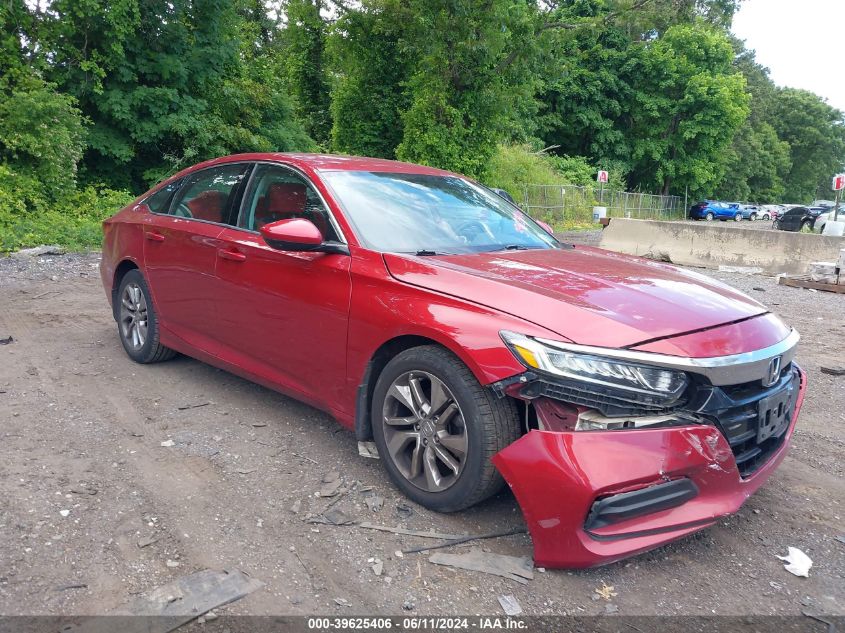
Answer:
(284, 315)
(180, 251)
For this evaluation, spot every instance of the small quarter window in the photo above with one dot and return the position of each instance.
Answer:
(160, 200)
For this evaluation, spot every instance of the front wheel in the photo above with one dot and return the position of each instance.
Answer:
(437, 428)
(806, 227)
(709, 217)
(137, 322)
(738, 217)
(753, 217)
(766, 217)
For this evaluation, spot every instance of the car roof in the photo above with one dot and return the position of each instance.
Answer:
(325, 162)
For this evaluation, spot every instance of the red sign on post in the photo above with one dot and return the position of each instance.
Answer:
(839, 182)
(602, 176)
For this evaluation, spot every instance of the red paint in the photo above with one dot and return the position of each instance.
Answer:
(297, 231)
(308, 323)
(556, 477)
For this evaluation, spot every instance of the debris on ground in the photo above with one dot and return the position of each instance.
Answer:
(797, 562)
(830, 371)
(183, 600)
(64, 513)
(510, 605)
(605, 591)
(296, 506)
(7, 340)
(37, 251)
(831, 627)
(518, 568)
(168, 443)
(192, 406)
(404, 511)
(343, 602)
(466, 539)
(376, 565)
(78, 585)
(610, 609)
(408, 605)
(331, 484)
(147, 541)
(368, 449)
(374, 502)
(173, 564)
(840, 538)
(332, 517)
(405, 532)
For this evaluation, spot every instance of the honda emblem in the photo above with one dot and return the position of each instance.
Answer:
(773, 372)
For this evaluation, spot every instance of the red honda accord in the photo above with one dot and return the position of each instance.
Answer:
(624, 401)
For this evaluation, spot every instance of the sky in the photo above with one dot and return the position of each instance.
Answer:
(799, 41)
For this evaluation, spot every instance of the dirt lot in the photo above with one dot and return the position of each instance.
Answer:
(84, 477)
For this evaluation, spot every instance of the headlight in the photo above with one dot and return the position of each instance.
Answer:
(611, 373)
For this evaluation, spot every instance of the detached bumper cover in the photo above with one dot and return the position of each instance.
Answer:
(558, 478)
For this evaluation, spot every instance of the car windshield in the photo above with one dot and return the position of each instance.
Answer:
(432, 214)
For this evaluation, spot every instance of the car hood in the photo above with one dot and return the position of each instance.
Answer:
(586, 295)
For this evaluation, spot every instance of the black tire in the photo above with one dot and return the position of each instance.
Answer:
(766, 217)
(709, 217)
(151, 350)
(806, 227)
(738, 217)
(491, 424)
(753, 217)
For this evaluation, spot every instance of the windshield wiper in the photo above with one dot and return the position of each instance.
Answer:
(512, 247)
(424, 252)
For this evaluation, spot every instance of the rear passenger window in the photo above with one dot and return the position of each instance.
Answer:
(160, 200)
(207, 195)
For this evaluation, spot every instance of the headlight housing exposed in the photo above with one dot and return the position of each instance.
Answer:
(656, 383)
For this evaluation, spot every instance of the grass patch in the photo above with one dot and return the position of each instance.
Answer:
(74, 223)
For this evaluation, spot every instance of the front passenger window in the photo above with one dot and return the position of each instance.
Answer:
(278, 193)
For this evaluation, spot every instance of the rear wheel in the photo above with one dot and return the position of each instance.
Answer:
(738, 217)
(709, 217)
(766, 217)
(806, 226)
(436, 429)
(137, 323)
(753, 217)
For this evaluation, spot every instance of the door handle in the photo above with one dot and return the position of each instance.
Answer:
(153, 236)
(234, 256)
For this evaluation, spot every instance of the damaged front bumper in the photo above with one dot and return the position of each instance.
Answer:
(593, 497)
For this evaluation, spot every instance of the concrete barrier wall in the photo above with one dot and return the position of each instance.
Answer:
(711, 245)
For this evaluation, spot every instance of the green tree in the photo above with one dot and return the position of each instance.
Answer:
(40, 128)
(688, 103)
(164, 84)
(304, 51)
(815, 132)
(465, 88)
(372, 68)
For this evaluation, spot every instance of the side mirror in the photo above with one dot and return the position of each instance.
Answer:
(299, 235)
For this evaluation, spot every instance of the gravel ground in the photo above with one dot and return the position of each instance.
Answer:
(84, 477)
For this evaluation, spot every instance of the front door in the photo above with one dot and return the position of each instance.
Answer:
(180, 252)
(284, 315)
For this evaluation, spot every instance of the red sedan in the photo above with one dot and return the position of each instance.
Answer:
(624, 401)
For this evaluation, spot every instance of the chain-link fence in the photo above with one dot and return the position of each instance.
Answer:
(574, 204)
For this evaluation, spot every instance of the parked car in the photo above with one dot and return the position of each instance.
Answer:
(822, 219)
(710, 210)
(771, 211)
(626, 402)
(798, 219)
(749, 211)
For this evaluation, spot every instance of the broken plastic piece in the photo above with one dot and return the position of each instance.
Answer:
(797, 562)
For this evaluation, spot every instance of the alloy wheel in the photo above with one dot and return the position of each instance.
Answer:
(425, 431)
(133, 316)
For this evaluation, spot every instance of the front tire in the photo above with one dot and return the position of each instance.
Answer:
(137, 322)
(709, 217)
(806, 227)
(436, 429)
(738, 217)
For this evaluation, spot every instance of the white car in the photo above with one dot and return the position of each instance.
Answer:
(821, 221)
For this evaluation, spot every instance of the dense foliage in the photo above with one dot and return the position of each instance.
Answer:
(105, 95)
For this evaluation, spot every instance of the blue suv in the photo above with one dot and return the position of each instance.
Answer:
(711, 210)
